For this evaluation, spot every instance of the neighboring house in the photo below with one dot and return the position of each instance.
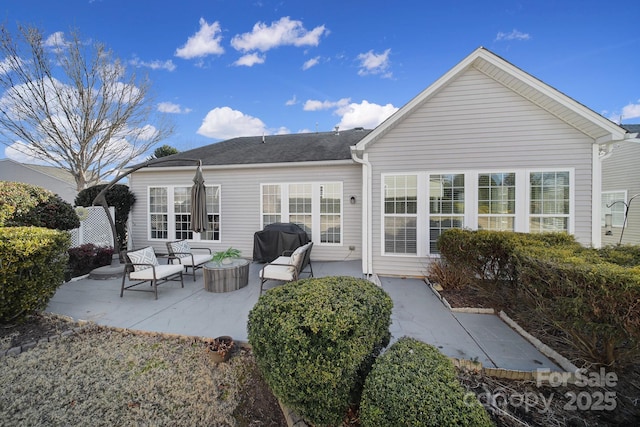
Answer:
(487, 146)
(620, 183)
(53, 179)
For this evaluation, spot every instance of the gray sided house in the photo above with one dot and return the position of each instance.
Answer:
(53, 179)
(308, 178)
(487, 146)
(620, 183)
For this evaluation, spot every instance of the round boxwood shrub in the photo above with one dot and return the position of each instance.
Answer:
(413, 384)
(315, 341)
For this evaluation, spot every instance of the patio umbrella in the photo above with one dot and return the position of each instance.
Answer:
(199, 218)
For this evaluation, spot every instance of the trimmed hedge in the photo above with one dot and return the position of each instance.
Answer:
(413, 384)
(589, 297)
(32, 264)
(315, 341)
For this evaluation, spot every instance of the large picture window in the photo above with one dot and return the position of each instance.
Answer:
(418, 207)
(175, 203)
(400, 214)
(316, 207)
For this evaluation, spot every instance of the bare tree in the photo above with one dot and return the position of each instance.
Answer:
(74, 105)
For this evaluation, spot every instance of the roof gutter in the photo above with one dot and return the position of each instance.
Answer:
(251, 165)
(367, 246)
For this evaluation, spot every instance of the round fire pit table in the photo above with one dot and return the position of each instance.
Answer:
(226, 276)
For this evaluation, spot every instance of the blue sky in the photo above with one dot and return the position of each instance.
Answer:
(230, 68)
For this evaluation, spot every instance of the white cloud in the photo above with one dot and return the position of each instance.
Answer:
(513, 35)
(171, 108)
(154, 65)
(284, 32)
(225, 123)
(372, 63)
(315, 105)
(22, 153)
(629, 111)
(292, 101)
(205, 42)
(250, 60)
(311, 63)
(364, 115)
(56, 42)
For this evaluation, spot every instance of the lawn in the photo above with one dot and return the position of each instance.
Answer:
(103, 377)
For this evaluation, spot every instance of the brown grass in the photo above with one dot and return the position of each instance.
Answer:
(104, 377)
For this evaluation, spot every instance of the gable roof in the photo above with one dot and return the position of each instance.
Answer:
(601, 129)
(290, 148)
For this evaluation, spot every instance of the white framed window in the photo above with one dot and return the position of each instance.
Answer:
(400, 214)
(522, 200)
(549, 201)
(613, 202)
(315, 206)
(497, 201)
(170, 213)
(446, 205)
(271, 204)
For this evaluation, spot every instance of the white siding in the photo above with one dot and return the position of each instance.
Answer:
(620, 172)
(240, 204)
(477, 124)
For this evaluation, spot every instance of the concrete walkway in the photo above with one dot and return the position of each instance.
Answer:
(193, 311)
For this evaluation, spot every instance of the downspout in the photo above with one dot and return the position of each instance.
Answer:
(367, 246)
(596, 195)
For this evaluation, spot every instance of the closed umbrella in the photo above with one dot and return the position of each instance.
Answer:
(199, 219)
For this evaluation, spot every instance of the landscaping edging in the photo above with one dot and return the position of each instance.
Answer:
(562, 361)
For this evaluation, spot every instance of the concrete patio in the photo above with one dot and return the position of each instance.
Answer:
(417, 313)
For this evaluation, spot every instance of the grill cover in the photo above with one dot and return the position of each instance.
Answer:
(269, 243)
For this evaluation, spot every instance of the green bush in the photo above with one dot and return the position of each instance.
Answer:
(587, 298)
(86, 257)
(315, 341)
(32, 264)
(120, 197)
(413, 384)
(489, 254)
(29, 205)
(594, 304)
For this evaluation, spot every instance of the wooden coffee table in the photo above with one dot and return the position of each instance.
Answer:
(226, 277)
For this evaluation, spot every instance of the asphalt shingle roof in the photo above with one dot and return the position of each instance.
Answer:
(301, 147)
